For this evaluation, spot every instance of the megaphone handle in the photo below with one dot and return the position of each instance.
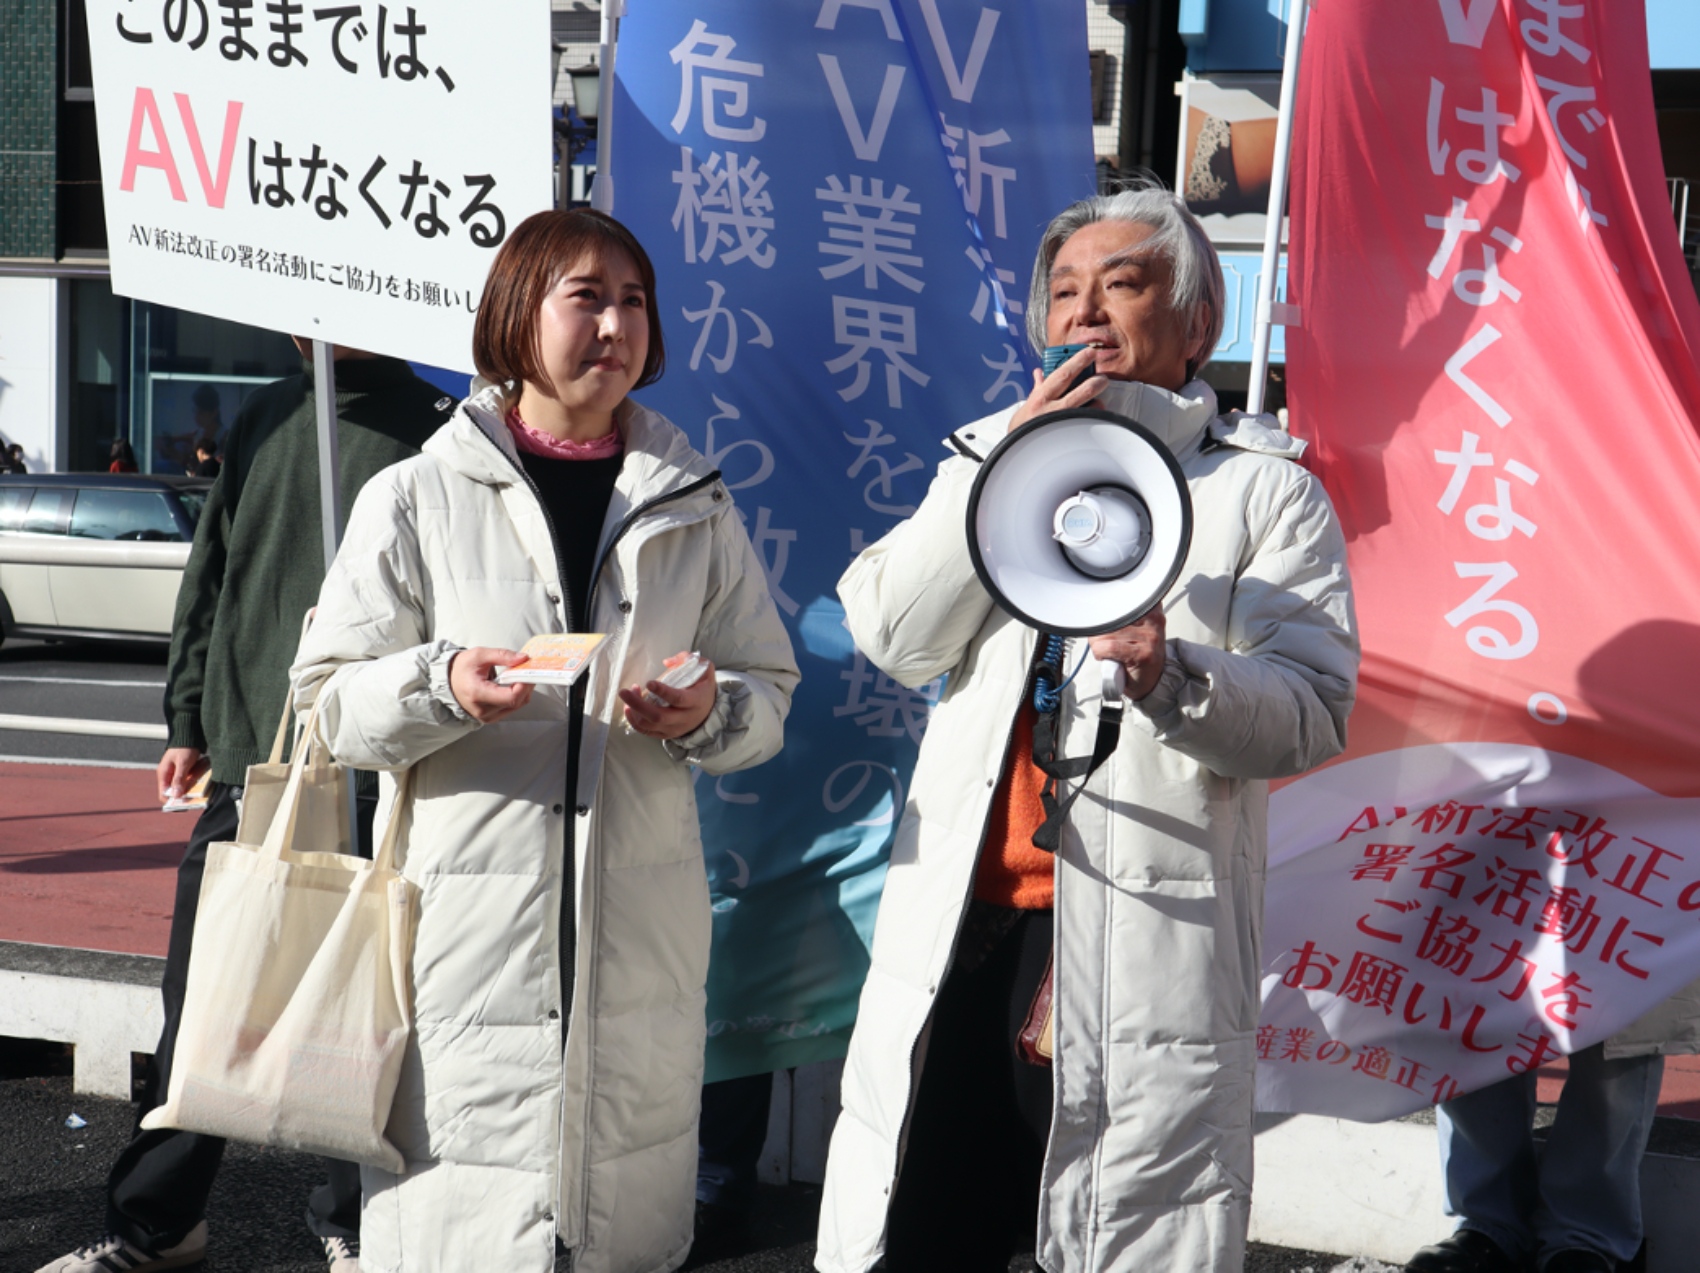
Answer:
(1114, 685)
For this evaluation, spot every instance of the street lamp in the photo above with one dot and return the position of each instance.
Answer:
(587, 90)
(575, 131)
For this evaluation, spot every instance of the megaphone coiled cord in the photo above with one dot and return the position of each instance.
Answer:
(1047, 695)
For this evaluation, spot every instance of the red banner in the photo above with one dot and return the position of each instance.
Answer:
(1496, 366)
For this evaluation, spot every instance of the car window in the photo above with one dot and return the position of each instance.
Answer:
(141, 515)
(13, 501)
(193, 502)
(46, 513)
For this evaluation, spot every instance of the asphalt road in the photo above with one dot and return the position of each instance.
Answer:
(52, 1194)
(82, 681)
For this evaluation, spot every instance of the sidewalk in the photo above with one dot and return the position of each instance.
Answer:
(86, 858)
(87, 861)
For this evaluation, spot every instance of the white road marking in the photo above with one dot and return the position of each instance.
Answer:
(66, 760)
(72, 725)
(77, 680)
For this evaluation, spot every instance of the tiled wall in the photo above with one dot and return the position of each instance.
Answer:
(28, 84)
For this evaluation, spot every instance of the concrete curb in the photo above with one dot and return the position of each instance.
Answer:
(106, 1006)
(1323, 1184)
(1326, 1184)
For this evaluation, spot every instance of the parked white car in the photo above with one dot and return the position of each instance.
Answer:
(94, 556)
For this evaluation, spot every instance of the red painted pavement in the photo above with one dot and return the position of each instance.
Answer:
(86, 858)
(1679, 1094)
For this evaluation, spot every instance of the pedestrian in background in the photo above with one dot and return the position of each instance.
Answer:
(121, 459)
(252, 574)
(205, 463)
(1576, 1206)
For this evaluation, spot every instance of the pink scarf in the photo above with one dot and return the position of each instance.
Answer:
(536, 442)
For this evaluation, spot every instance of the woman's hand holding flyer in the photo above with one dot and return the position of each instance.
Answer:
(676, 702)
(472, 678)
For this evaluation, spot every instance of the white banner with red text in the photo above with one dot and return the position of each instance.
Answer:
(1495, 364)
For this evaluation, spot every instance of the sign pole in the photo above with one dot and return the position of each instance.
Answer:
(602, 189)
(330, 500)
(1261, 329)
(330, 457)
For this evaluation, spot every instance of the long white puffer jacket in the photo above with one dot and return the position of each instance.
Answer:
(507, 1142)
(1159, 884)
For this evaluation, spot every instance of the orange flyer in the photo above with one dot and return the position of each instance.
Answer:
(555, 659)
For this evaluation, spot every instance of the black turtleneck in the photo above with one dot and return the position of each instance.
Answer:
(575, 495)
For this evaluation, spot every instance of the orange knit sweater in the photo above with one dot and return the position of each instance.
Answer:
(1013, 871)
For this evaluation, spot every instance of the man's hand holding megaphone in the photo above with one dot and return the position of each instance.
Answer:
(1052, 392)
(1139, 647)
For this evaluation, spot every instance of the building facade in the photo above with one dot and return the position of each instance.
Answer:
(1184, 89)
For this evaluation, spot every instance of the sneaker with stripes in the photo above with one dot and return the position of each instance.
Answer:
(341, 1255)
(112, 1254)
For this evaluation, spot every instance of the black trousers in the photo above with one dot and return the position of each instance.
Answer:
(730, 1134)
(967, 1195)
(158, 1189)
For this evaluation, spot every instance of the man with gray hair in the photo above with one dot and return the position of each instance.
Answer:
(1125, 1128)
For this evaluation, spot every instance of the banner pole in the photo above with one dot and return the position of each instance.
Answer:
(1261, 329)
(602, 188)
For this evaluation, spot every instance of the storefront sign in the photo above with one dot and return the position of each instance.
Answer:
(342, 172)
(1496, 363)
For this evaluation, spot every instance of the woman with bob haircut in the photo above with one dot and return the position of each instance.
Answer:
(551, 1085)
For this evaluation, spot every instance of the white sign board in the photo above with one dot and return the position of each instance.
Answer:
(343, 171)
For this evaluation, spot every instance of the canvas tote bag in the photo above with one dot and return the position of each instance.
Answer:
(297, 1010)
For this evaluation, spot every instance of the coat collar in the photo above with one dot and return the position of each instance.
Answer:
(1182, 421)
(477, 444)
(1179, 419)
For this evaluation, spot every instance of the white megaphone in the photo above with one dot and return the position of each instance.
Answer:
(1079, 522)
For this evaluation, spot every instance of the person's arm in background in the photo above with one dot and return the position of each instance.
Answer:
(191, 635)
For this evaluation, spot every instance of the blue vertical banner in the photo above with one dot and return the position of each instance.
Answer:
(842, 199)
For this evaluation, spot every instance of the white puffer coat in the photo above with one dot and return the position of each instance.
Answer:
(507, 1142)
(1159, 884)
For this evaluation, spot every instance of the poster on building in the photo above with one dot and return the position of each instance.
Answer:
(843, 201)
(1227, 153)
(1496, 367)
(344, 172)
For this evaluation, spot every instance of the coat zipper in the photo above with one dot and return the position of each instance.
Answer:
(631, 518)
(626, 524)
(575, 701)
(567, 924)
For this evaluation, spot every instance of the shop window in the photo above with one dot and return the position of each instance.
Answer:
(81, 209)
(190, 375)
(100, 343)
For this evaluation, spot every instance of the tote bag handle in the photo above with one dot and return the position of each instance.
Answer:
(289, 700)
(281, 834)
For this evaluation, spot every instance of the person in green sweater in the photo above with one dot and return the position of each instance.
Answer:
(253, 573)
